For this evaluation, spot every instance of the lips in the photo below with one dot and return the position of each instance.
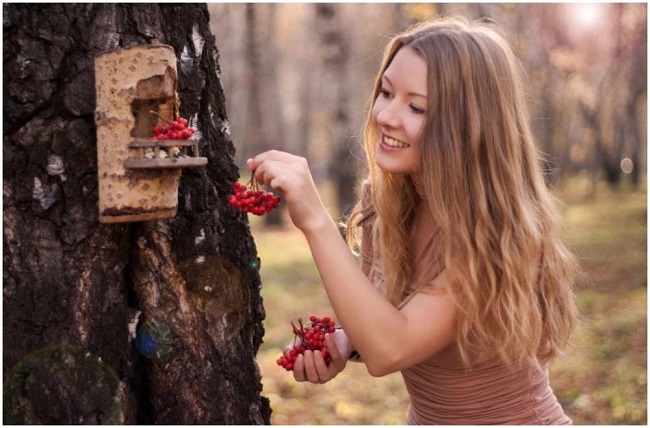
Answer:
(393, 143)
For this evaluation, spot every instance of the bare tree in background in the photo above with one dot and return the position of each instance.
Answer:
(265, 125)
(622, 94)
(334, 53)
(586, 83)
(78, 294)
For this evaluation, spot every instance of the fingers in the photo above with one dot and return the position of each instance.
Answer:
(303, 368)
(332, 347)
(322, 370)
(311, 367)
(270, 172)
(273, 155)
(299, 369)
(311, 371)
(274, 166)
(338, 361)
(261, 170)
(291, 176)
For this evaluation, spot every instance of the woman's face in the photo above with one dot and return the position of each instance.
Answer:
(399, 112)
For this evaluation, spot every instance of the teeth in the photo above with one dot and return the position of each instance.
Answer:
(391, 142)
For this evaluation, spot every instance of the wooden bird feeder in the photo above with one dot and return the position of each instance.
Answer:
(138, 175)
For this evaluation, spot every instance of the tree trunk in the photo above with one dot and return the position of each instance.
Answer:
(638, 94)
(156, 322)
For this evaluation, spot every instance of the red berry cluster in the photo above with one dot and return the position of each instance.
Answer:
(172, 130)
(253, 200)
(312, 338)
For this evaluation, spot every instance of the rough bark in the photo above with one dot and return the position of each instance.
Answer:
(79, 295)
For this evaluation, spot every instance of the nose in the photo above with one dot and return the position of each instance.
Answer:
(387, 114)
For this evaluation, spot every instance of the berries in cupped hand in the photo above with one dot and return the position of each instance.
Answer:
(253, 200)
(310, 337)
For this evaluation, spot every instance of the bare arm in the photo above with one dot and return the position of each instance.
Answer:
(389, 339)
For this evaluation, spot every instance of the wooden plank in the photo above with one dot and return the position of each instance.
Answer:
(146, 142)
(167, 163)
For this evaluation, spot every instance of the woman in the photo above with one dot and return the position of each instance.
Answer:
(464, 284)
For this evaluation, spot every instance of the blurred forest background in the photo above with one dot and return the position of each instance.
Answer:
(298, 77)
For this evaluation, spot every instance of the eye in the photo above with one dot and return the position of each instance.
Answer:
(385, 93)
(416, 109)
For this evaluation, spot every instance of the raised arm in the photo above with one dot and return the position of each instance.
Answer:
(389, 339)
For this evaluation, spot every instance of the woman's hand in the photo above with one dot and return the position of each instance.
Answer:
(290, 175)
(311, 367)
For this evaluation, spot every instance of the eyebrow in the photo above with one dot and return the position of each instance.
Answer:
(415, 94)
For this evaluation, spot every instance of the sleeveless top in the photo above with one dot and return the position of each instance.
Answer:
(443, 391)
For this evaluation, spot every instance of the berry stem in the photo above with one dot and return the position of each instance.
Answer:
(252, 183)
(160, 116)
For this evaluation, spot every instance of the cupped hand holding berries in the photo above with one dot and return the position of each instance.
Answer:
(290, 175)
(311, 365)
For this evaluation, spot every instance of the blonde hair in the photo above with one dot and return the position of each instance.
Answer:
(507, 268)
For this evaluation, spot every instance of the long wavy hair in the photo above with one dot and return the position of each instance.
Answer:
(498, 240)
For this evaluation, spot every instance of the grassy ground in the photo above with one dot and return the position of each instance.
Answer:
(603, 381)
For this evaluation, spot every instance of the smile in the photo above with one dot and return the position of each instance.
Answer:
(391, 142)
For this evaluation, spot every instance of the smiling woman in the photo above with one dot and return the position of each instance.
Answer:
(463, 277)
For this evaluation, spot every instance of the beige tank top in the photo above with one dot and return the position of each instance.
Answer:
(444, 392)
